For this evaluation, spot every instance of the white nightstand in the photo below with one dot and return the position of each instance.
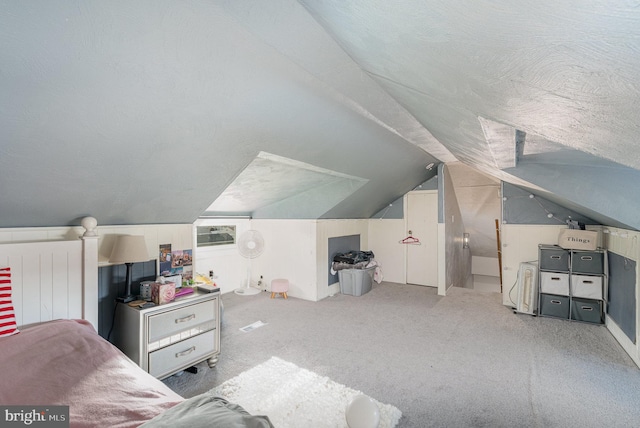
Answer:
(166, 339)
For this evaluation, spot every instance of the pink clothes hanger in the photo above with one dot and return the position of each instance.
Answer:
(410, 240)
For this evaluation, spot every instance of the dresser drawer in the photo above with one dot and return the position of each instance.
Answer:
(182, 354)
(180, 319)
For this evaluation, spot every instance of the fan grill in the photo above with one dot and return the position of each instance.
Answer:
(251, 244)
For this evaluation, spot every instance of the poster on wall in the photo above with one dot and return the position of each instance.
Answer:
(187, 264)
(165, 259)
(176, 262)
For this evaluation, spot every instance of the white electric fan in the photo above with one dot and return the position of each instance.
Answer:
(250, 246)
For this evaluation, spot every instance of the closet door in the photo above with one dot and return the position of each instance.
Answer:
(422, 221)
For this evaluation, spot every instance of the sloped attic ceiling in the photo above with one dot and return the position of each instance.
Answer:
(564, 72)
(146, 111)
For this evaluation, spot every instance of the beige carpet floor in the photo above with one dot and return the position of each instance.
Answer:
(464, 360)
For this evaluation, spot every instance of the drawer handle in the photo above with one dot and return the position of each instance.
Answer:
(587, 282)
(556, 257)
(185, 319)
(555, 278)
(586, 308)
(586, 258)
(187, 352)
(555, 302)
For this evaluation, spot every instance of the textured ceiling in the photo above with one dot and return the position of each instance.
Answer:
(148, 111)
(274, 186)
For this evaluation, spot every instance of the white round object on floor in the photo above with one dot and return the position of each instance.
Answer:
(362, 412)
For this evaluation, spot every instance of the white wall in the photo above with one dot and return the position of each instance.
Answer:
(457, 260)
(228, 266)
(289, 253)
(520, 244)
(180, 236)
(384, 241)
(294, 249)
(34, 234)
(485, 266)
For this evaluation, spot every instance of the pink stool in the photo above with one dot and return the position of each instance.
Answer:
(279, 286)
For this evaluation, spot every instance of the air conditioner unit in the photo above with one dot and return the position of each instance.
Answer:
(527, 302)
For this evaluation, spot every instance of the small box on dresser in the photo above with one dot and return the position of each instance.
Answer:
(162, 292)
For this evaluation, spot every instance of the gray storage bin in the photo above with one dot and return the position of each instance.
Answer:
(554, 259)
(587, 262)
(587, 310)
(552, 305)
(355, 282)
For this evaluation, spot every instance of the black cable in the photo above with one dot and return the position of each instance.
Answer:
(113, 321)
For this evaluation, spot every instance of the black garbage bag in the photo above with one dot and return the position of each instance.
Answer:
(354, 256)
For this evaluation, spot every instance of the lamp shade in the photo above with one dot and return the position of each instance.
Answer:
(129, 249)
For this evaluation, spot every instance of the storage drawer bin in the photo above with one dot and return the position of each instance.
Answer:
(355, 282)
(587, 310)
(587, 262)
(554, 306)
(554, 283)
(554, 259)
(587, 287)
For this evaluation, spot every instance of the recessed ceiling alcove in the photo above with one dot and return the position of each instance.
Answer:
(278, 187)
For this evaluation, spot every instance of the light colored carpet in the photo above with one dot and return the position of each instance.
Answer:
(295, 397)
(463, 360)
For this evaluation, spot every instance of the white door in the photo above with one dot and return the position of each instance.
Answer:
(422, 223)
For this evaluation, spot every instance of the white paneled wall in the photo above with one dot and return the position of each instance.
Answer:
(46, 280)
(37, 234)
(289, 253)
(520, 244)
(180, 236)
(294, 249)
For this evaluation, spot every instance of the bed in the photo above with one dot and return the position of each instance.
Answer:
(52, 355)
